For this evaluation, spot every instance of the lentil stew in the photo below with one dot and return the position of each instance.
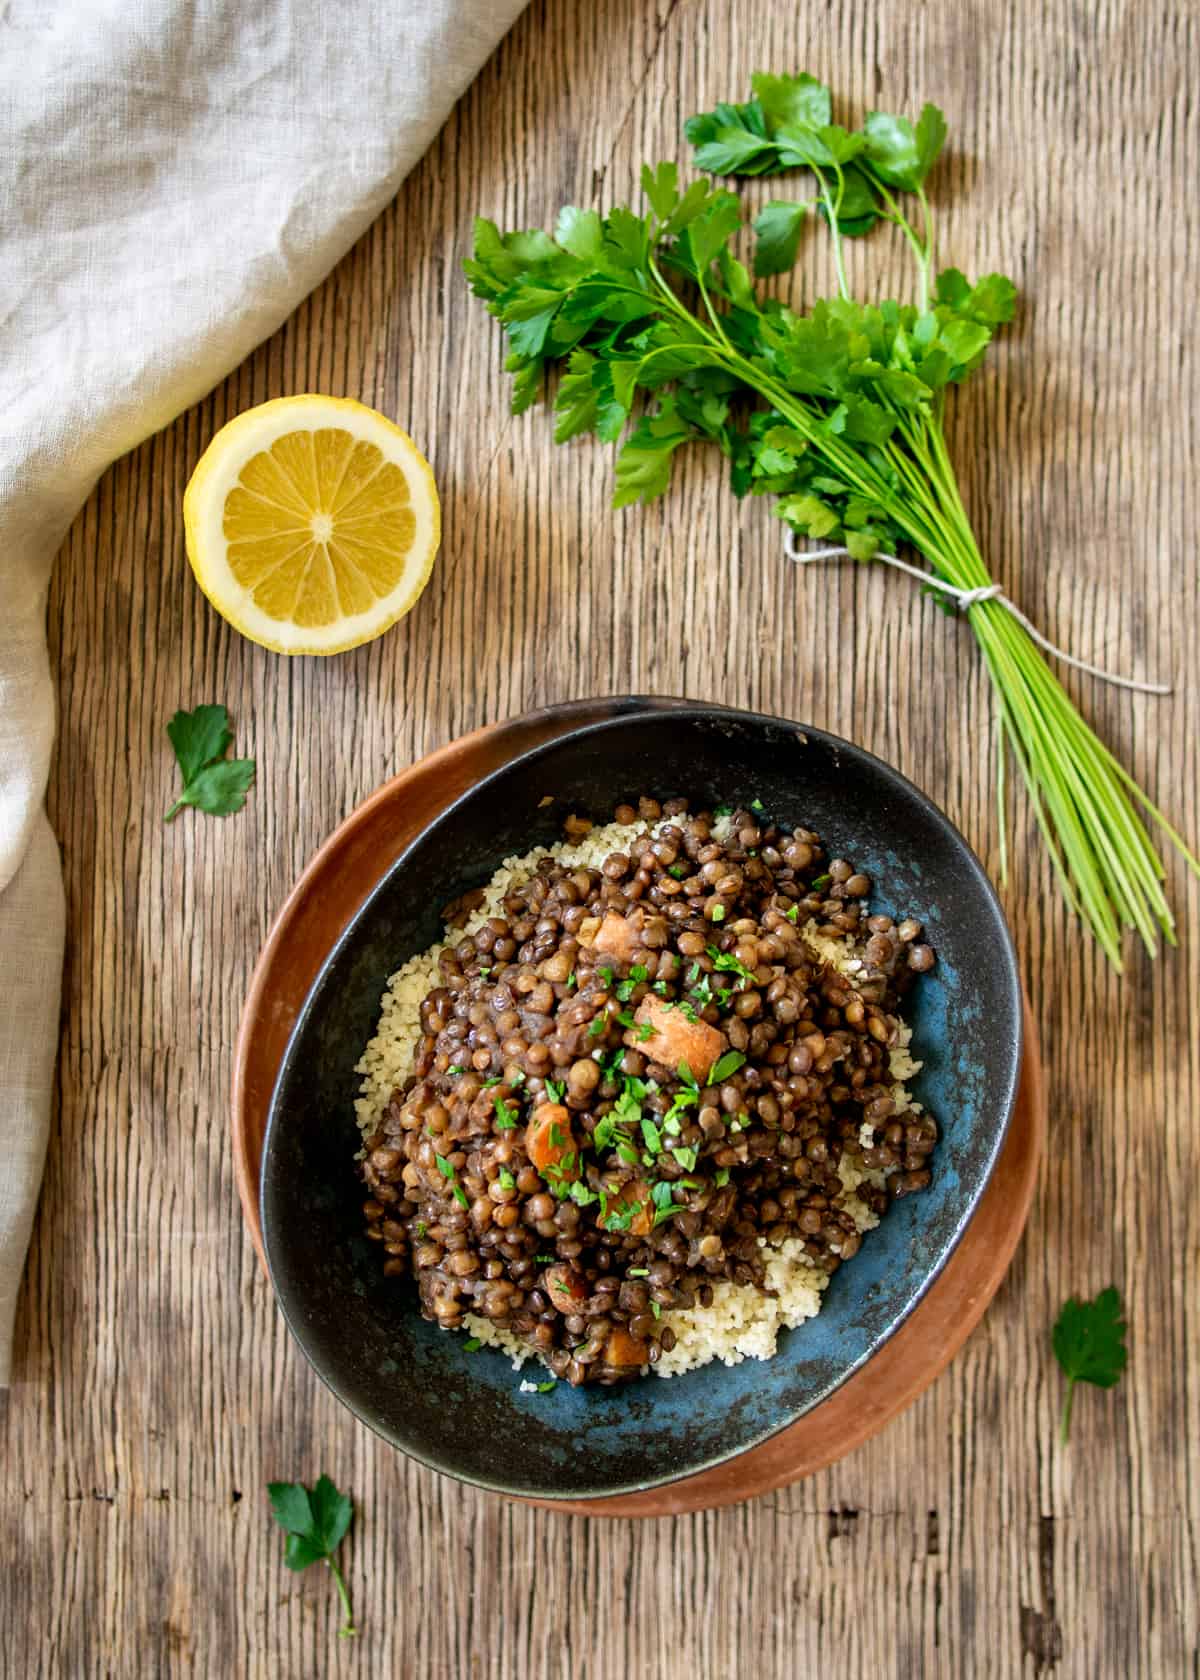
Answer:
(634, 1081)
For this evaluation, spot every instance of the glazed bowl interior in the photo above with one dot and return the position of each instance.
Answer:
(464, 1413)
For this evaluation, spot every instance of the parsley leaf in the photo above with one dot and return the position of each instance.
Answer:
(724, 1066)
(777, 229)
(211, 782)
(554, 1090)
(315, 1521)
(1089, 1344)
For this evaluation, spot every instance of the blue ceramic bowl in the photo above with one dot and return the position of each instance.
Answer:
(463, 1413)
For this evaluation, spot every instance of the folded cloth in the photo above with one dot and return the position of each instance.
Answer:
(175, 176)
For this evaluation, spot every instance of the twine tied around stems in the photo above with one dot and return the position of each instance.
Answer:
(965, 599)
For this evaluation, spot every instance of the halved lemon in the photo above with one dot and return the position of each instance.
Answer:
(312, 523)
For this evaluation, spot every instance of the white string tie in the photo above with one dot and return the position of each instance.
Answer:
(965, 599)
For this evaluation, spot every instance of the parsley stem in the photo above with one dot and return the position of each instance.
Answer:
(347, 1629)
(1064, 1427)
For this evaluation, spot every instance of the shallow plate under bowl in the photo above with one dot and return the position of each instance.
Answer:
(464, 1413)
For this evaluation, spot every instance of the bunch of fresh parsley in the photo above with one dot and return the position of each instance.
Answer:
(836, 411)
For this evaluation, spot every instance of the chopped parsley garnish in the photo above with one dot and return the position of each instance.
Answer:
(724, 994)
(757, 805)
(506, 1114)
(687, 1077)
(627, 987)
(678, 871)
(646, 1031)
(494, 1080)
(656, 1309)
(821, 882)
(686, 1158)
(619, 1219)
(507, 1181)
(638, 1271)
(721, 1177)
(571, 980)
(723, 811)
(518, 1078)
(687, 1011)
(554, 1091)
(606, 975)
(472, 1345)
(718, 914)
(626, 1020)
(599, 1022)
(455, 1069)
(548, 1387)
(446, 1168)
(652, 1137)
(544, 1259)
(627, 1153)
(703, 992)
(484, 972)
(671, 1119)
(660, 986)
(581, 1195)
(793, 913)
(662, 1195)
(725, 1065)
(557, 1136)
(420, 1227)
(729, 964)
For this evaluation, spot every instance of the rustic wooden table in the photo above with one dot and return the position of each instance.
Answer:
(157, 1391)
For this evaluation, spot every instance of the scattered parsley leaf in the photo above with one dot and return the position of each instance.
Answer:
(638, 1271)
(820, 882)
(315, 1521)
(606, 975)
(211, 782)
(455, 1069)
(599, 1022)
(686, 1158)
(724, 1066)
(718, 914)
(506, 1114)
(656, 1309)
(721, 1177)
(507, 1181)
(547, 1387)
(793, 913)
(1089, 1344)
(472, 1345)
(554, 1091)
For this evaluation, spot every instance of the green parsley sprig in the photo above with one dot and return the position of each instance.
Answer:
(315, 1521)
(211, 782)
(1089, 1344)
(837, 411)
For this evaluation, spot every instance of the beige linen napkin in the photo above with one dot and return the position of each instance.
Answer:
(175, 176)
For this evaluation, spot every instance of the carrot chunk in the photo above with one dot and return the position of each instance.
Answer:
(674, 1039)
(618, 936)
(549, 1141)
(622, 1349)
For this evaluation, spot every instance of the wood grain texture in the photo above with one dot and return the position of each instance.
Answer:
(157, 1390)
